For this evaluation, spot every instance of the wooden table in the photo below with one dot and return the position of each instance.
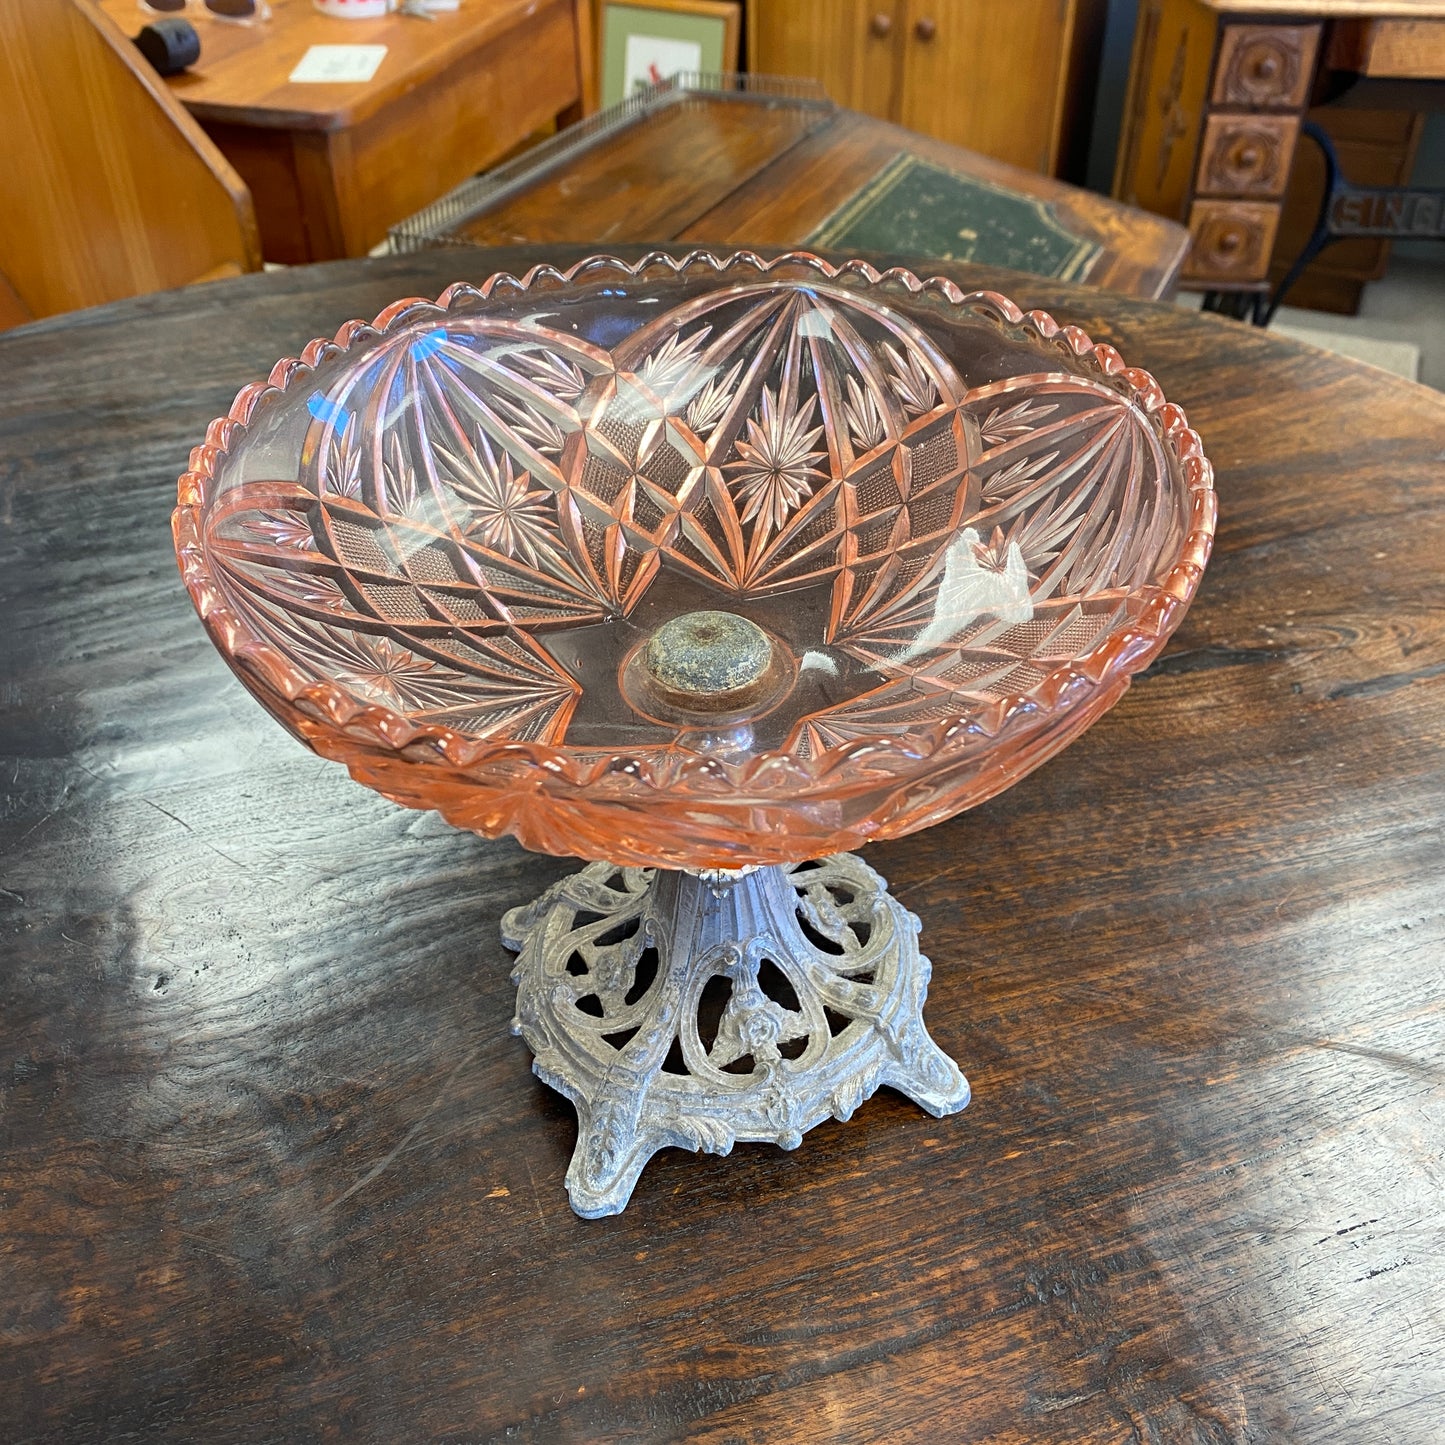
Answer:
(781, 169)
(273, 1169)
(331, 166)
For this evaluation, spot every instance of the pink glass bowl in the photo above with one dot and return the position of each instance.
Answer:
(442, 548)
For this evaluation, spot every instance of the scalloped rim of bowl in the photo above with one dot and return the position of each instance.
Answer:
(1120, 655)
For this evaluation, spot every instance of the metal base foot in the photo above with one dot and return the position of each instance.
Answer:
(692, 1011)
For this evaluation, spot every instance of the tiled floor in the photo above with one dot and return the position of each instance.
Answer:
(1400, 357)
(1408, 305)
(1401, 325)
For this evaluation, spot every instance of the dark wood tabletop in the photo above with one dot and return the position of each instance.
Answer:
(272, 1167)
(754, 168)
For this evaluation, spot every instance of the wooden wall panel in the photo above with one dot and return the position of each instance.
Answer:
(110, 188)
(1168, 92)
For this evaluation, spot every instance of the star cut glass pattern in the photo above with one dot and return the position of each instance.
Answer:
(477, 551)
(432, 544)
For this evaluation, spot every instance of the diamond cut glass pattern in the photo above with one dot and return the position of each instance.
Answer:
(437, 547)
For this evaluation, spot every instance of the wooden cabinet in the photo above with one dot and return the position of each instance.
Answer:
(1009, 78)
(1211, 134)
(1210, 131)
(848, 45)
(331, 166)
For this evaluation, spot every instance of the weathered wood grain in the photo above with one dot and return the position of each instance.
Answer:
(714, 170)
(273, 1169)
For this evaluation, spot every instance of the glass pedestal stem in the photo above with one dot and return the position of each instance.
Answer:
(695, 1010)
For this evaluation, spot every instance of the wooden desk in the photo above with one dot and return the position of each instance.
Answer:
(719, 168)
(272, 1168)
(331, 166)
(1217, 90)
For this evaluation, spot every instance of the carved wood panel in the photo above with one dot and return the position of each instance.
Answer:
(1246, 155)
(1269, 66)
(1231, 240)
(1168, 93)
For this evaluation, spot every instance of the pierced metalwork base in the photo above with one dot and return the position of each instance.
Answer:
(696, 1010)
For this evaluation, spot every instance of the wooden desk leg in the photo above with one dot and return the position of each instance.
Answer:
(297, 181)
(266, 160)
(325, 171)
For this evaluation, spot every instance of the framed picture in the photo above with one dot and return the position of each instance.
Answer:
(644, 41)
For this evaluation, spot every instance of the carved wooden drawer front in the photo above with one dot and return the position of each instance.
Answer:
(1246, 155)
(1231, 240)
(1269, 66)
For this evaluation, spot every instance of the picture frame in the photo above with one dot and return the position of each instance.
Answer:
(648, 40)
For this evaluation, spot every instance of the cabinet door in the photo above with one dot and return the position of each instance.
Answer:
(852, 47)
(989, 75)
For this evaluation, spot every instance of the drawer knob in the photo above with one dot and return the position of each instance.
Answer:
(1265, 65)
(881, 24)
(1232, 240)
(926, 28)
(1245, 155)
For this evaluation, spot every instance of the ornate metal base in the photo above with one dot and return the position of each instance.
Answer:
(696, 1010)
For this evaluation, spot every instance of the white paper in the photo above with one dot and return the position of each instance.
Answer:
(650, 58)
(330, 64)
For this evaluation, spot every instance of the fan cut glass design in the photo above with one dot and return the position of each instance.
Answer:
(707, 569)
(439, 548)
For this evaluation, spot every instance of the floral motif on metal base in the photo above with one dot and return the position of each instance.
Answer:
(693, 1011)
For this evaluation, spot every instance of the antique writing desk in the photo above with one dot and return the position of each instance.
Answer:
(702, 161)
(273, 1169)
(331, 166)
